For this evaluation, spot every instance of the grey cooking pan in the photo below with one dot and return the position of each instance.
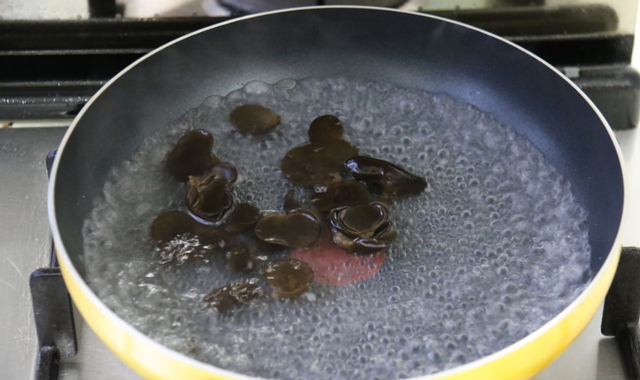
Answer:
(407, 49)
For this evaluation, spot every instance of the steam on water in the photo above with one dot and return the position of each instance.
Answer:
(494, 248)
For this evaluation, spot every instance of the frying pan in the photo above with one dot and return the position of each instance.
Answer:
(407, 49)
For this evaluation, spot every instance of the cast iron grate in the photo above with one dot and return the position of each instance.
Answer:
(52, 68)
(622, 310)
(53, 314)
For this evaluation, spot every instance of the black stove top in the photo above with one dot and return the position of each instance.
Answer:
(51, 68)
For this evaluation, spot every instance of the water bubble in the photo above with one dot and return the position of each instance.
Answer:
(287, 84)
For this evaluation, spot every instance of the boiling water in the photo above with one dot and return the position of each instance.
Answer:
(496, 246)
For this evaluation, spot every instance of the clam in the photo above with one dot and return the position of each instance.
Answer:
(324, 129)
(192, 155)
(168, 225)
(212, 236)
(241, 258)
(320, 162)
(289, 278)
(317, 164)
(243, 217)
(362, 229)
(263, 246)
(296, 229)
(171, 224)
(225, 170)
(209, 198)
(253, 119)
(180, 237)
(290, 202)
(234, 294)
(383, 177)
(343, 193)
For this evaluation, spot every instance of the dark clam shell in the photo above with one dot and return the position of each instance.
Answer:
(264, 246)
(383, 177)
(225, 170)
(289, 278)
(240, 258)
(363, 228)
(343, 193)
(172, 228)
(317, 164)
(293, 230)
(243, 217)
(225, 298)
(168, 225)
(192, 155)
(290, 202)
(212, 236)
(360, 221)
(324, 129)
(253, 119)
(365, 245)
(209, 198)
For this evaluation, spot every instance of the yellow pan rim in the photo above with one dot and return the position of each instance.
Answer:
(520, 360)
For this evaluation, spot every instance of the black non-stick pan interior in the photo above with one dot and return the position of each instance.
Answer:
(409, 50)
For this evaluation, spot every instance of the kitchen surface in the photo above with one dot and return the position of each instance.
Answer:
(30, 130)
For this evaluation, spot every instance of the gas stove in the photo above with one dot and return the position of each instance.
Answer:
(51, 68)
